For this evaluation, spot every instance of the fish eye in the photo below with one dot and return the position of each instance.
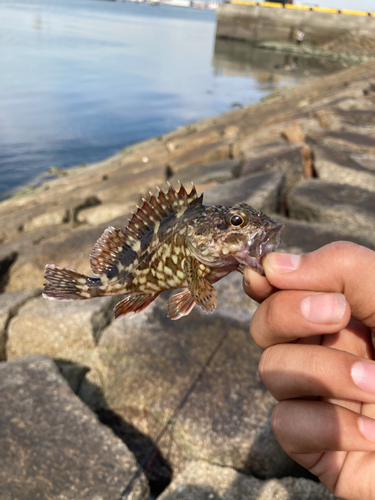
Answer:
(236, 220)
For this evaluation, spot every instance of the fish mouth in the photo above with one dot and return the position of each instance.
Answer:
(264, 241)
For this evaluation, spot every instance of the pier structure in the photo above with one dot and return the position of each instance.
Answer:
(275, 22)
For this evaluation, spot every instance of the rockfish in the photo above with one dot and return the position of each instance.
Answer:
(171, 241)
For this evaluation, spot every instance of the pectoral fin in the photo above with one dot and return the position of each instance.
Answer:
(202, 292)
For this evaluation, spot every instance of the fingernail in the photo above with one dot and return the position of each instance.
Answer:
(324, 308)
(367, 427)
(363, 375)
(283, 262)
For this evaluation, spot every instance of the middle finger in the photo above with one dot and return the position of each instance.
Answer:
(317, 371)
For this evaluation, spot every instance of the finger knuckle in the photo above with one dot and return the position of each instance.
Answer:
(278, 420)
(262, 367)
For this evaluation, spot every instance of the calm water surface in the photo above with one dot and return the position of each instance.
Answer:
(81, 79)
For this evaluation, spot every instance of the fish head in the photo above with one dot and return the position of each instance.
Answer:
(234, 234)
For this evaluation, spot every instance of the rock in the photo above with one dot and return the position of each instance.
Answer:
(203, 481)
(47, 218)
(232, 132)
(325, 118)
(344, 167)
(363, 117)
(308, 161)
(9, 305)
(127, 185)
(349, 207)
(258, 143)
(293, 133)
(62, 330)
(262, 191)
(7, 258)
(180, 143)
(72, 372)
(43, 213)
(157, 470)
(70, 248)
(99, 215)
(288, 159)
(232, 303)
(348, 141)
(301, 237)
(218, 172)
(206, 153)
(145, 368)
(51, 445)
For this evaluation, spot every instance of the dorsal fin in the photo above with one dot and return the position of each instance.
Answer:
(117, 246)
(110, 249)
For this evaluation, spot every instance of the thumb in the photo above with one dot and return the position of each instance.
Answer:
(341, 267)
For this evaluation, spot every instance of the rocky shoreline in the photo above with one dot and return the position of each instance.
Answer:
(306, 156)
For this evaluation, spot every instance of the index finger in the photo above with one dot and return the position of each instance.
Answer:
(340, 267)
(256, 286)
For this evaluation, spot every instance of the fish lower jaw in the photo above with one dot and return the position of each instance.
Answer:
(252, 262)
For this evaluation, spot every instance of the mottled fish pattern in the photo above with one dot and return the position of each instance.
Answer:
(171, 241)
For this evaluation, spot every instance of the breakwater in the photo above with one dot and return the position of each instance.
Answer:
(306, 156)
(255, 23)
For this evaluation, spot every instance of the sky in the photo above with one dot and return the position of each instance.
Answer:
(366, 5)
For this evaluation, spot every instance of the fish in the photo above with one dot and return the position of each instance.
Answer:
(171, 241)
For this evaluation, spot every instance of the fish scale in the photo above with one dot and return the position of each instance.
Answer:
(171, 241)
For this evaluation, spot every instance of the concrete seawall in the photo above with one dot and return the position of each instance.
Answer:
(254, 23)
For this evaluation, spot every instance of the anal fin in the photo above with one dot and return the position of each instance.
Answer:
(180, 305)
(133, 303)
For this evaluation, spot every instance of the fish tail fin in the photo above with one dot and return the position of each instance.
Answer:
(65, 284)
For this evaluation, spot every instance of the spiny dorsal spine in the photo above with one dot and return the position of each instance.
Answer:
(114, 243)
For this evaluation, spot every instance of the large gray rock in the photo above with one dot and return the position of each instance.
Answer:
(349, 207)
(40, 214)
(9, 305)
(146, 364)
(70, 248)
(205, 153)
(289, 159)
(62, 330)
(344, 167)
(187, 139)
(220, 171)
(203, 481)
(362, 117)
(261, 191)
(301, 237)
(347, 141)
(52, 447)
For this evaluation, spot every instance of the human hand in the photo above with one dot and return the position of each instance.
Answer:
(315, 321)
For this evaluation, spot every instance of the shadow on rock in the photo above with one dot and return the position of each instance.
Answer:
(263, 442)
(5, 264)
(157, 469)
(193, 492)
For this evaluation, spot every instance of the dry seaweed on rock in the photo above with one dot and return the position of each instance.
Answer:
(171, 241)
